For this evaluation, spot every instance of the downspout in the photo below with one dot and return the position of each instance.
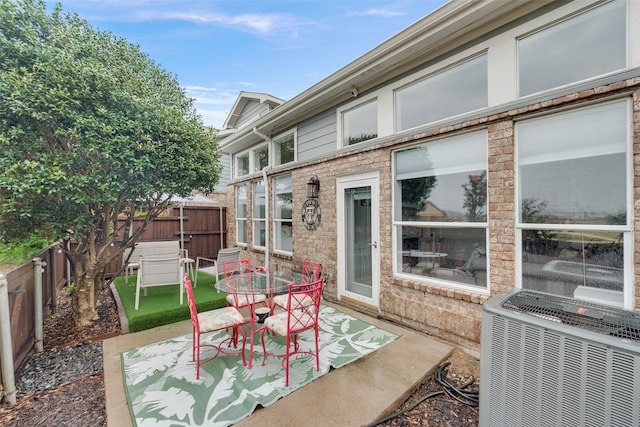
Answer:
(267, 226)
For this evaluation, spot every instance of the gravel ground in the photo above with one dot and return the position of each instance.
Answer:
(64, 385)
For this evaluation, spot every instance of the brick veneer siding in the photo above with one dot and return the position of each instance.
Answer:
(447, 312)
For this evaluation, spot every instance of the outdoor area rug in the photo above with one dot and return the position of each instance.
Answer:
(161, 386)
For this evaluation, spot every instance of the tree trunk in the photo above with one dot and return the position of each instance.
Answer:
(85, 293)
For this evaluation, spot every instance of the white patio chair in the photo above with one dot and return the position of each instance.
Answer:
(214, 266)
(159, 272)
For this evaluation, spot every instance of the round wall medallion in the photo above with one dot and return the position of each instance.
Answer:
(311, 214)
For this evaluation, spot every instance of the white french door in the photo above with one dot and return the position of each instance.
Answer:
(358, 235)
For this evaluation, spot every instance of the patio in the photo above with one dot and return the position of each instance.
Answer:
(356, 394)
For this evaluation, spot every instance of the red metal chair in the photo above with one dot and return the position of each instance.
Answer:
(311, 271)
(242, 266)
(212, 321)
(302, 314)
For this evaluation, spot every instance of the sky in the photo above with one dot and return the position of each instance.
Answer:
(218, 48)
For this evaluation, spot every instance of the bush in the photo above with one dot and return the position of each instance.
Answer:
(17, 252)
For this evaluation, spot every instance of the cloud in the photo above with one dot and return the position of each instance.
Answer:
(377, 12)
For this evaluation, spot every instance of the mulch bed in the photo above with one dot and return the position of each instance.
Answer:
(64, 385)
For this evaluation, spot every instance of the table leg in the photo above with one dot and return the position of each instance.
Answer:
(252, 316)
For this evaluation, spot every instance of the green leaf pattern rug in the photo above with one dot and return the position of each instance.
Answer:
(162, 390)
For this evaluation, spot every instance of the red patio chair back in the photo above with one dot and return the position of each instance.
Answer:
(236, 266)
(311, 271)
(302, 314)
(212, 321)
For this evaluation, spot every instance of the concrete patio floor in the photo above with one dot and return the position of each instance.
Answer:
(354, 395)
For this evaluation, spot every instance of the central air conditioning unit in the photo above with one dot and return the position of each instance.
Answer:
(547, 360)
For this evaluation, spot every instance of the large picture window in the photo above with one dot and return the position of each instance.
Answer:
(440, 210)
(451, 92)
(283, 213)
(587, 45)
(241, 214)
(258, 214)
(573, 192)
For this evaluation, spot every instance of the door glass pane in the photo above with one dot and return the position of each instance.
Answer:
(358, 240)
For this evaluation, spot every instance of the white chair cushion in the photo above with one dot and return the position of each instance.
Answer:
(278, 322)
(220, 318)
(244, 300)
(283, 301)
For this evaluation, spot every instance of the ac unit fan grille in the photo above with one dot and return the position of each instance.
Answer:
(581, 314)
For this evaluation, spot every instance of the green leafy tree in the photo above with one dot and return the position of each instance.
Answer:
(475, 197)
(90, 127)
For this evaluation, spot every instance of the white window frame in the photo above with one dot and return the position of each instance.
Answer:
(239, 219)
(353, 106)
(397, 224)
(441, 72)
(567, 18)
(256, 220)
(251, 153)
(275, 220)
(274, 143)
(626, 230)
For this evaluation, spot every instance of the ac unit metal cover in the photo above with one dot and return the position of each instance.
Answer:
(547, 360)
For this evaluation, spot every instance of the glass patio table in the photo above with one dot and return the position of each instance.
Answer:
(256, 283)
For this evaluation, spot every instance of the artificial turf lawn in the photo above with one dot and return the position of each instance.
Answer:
(161, 305)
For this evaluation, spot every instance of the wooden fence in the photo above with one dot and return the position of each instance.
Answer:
(204, 234)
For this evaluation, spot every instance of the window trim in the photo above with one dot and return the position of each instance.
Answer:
(275, 220)
(433, 72)
(567, 16)
(239, 219)
(254, 219)
(626, 230)
(352, 106)
(274, 142)
(397, 224)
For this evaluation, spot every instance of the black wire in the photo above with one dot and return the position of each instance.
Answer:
(470, 398)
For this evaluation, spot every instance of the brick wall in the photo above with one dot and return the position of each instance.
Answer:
(450, 313)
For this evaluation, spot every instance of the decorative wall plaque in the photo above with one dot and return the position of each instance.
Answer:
(311, 214)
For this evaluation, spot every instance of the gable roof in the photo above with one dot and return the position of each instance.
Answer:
(242, 101)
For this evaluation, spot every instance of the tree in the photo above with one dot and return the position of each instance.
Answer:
(90, 127)
(475, 197)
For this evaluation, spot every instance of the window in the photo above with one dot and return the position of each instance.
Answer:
(440, 210)
(451, 92)
(284, 148)
(242, 164)
(572, 198)
(587, 45)
(283, 213)
(241, 214)
(359, 123)
(258, 214)
(260, 158)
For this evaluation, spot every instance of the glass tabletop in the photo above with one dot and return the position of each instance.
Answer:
(256, 283)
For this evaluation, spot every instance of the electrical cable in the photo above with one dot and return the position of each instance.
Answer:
(470, 398)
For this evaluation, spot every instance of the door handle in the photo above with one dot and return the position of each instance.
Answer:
(373, 244)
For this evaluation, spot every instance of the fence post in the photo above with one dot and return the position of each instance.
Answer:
(8, 379)
(37, 297)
